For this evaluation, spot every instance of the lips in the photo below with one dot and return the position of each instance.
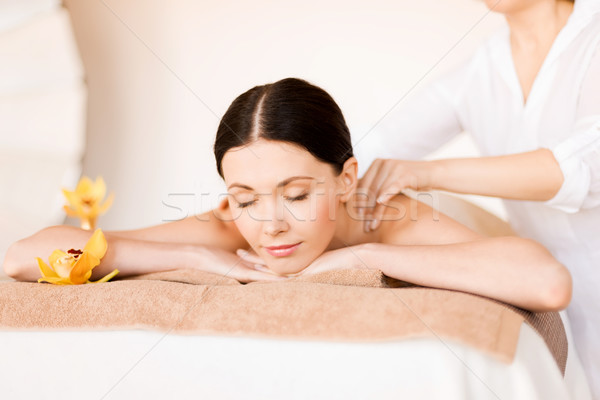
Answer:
(283, 246)
(282, 250)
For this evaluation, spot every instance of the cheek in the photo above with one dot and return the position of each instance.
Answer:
(317, 223)
(325, 213)
(248, 227)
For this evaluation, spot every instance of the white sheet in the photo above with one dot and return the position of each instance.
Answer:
(147, 364)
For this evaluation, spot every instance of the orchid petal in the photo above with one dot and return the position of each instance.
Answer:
(83, 266)
(46, 271)
(73, 198)
(56, 281)
(96, 245)
(98, 190)
(70, 212)
(84, 186)
(106, 205)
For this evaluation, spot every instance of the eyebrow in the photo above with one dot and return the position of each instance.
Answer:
(280, 184)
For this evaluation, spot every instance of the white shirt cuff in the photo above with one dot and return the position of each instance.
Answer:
(575, 186)
(577, 158)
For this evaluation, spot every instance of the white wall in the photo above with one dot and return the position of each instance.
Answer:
(161, 73)
(42, 116)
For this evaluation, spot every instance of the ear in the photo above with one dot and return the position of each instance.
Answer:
(348, 179)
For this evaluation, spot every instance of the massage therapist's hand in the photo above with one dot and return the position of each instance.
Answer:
(386, 178)
(225, 263)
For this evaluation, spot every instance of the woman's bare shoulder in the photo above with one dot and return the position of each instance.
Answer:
(408, 221)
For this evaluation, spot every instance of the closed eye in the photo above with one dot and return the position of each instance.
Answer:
(246, 204)
(297, 198)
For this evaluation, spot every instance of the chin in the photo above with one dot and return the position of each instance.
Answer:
(288, 265)
(291, 264)
(288, 269)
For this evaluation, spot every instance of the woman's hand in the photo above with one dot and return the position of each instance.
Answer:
(254, 261)
(386, 178)
(344, 258)
(225, 263)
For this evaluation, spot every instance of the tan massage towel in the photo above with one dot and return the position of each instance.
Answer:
(341, 305)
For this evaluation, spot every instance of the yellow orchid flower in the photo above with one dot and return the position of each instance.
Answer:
(84, 202)
(75, 266)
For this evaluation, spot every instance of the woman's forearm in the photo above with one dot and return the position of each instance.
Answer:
(510, 269)
(534, 175)
(129, 256)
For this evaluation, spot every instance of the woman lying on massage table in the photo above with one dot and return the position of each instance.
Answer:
(285, 154)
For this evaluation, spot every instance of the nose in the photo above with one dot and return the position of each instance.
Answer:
(276, 222)
(275, 227)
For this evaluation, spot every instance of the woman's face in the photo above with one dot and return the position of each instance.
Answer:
(284, 202)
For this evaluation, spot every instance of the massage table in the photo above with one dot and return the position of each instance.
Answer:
(191, 334)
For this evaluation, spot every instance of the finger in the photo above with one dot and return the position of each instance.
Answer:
(371, 173)
(377, 215)
(250, 257)
(259, 267)
(364, 185)
(384, 174)
(368, 218)
(391, 190)
(368, 196)
(262, 268)
(270, 276)
(254, 266)
(250, 275)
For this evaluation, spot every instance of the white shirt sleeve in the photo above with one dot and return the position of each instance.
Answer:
(579, 155)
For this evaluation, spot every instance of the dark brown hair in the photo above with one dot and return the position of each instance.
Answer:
(290, 110)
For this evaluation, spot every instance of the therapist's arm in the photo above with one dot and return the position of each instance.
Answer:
(533, 176)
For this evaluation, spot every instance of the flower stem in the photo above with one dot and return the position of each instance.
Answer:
(88, 224)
